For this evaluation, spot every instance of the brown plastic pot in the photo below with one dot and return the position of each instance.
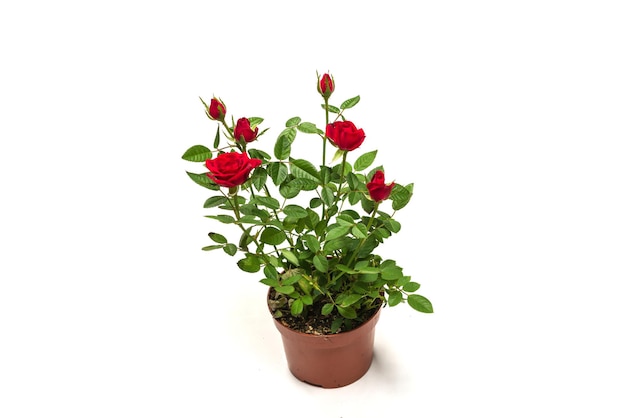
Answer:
(330, 361)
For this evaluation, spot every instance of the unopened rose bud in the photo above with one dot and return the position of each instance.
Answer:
(243, 131)
(216, 110)
(326, 86)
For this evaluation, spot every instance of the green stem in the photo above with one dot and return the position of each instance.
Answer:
(324, 139)
(342, 178)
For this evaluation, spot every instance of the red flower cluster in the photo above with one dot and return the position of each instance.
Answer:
(233, 169)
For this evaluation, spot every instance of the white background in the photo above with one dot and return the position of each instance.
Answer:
(509, 117)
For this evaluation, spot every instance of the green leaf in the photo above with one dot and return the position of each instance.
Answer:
(228, 204)
(395, 298)
(249, 264)
(404, 280)
(347, 312)
(355, 197)
(293, 122)
(203, 180)
(327, 309)
(325, 174)
(353, 180)
(312, 243)
(308, 128)
(336, 324)
(285, 289)
(420, 303)
(226, 219)
(267, 201)
(320, 262)
(367, 269)
(211, 247)
(197, 154)
(295, 278)
(338, 154)
(297, 307)
(368, 277)
(258, 178)
(350, 102)
(215, 201)
(291, 189)
(316, 202)
(246, 239)
(347, 168)
(304, 169)
(270, 282)
(393, 225)
(365, 160)
(336, 232)
(307, 184)
(359, 231)
(255, 121)
(270, 272)
(278, 172)
(400, 197)
(291, 257)
(328, 197)
(411, 287)
(273, 236)
(220, 239)
(350, 300)
(337, 244)
(345, 269)
(230, 249)
(282, 148)
(295, 211)
(331, 108)
(391, 273)
(216, 141)
(344, 222)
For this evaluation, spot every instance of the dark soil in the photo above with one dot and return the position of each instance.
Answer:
(313, 322)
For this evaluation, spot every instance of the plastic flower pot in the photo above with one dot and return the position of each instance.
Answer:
(329, 361)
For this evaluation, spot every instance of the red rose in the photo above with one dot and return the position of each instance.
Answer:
(243, 130)
(231, 169)
(217, 110)
(326, 86)
(344, 135)
(377, 187)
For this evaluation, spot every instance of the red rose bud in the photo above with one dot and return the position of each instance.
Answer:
(244, 131)
(344, 135)
(377, 187)
(231, 169)
(217, 110)
(326, 86)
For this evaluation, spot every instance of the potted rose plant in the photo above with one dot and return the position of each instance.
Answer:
(309, 230)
